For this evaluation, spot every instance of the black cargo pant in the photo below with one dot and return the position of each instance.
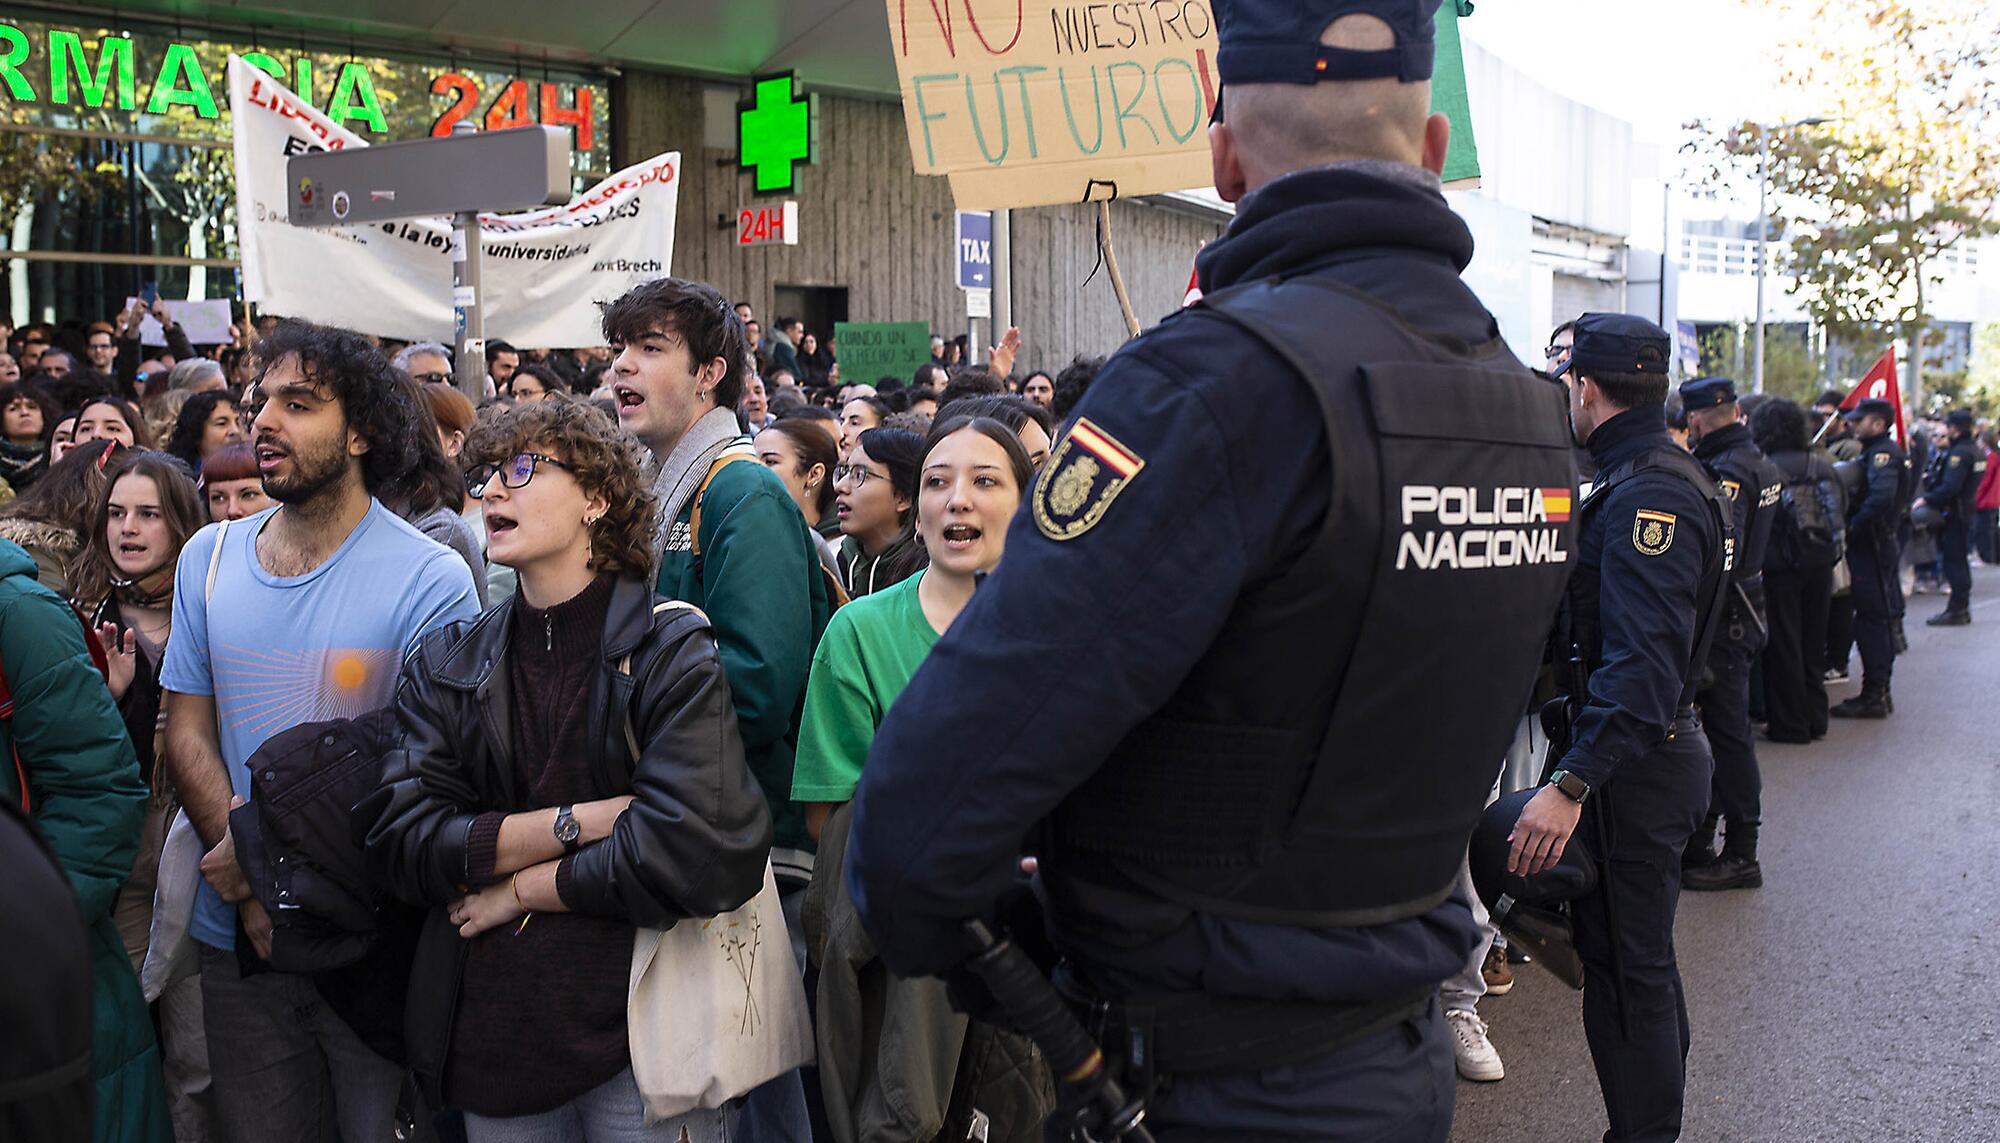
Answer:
(1725, 717)
(1798, 604)
(1634, 1012)
(1877, 591)
(1955, 549)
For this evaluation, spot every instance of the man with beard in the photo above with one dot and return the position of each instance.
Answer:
(300, 613)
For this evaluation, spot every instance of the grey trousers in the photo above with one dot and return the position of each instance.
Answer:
(285, 1068)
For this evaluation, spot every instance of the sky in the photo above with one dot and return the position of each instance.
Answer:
(1656, 63)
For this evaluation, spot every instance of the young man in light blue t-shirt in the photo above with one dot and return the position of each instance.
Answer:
(304, 614)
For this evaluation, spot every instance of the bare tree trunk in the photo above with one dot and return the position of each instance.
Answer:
(197, 248)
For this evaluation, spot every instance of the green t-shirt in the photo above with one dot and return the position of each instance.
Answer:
(870, 650)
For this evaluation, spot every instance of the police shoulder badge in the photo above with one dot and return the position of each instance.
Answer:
(1088, 471)
(1731, 489)
(1653, 532)
(1881, 458)
(1956, 460)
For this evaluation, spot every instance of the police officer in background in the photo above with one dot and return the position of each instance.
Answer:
(1225, 717)
(1721, 441)
(1634, 771)
(1950, 486)
(1874, 555)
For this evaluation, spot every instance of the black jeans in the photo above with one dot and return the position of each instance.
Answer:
(1625, 935)
(1798, 604)
(1955, 549)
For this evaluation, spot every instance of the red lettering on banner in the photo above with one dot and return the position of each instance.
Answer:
(942, 16)
(1020, 20)
(554, 114)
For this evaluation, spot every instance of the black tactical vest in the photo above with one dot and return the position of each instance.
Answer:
(1746, 466)
(1580, 611)
(1326, 760)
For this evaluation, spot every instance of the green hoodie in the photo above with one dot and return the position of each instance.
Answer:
(86, 796)
(759, 580)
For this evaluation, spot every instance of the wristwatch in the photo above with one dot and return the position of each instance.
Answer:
(1573, 787)
(567, 829)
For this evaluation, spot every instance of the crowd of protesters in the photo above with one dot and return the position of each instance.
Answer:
(365, 797)
(466, 597)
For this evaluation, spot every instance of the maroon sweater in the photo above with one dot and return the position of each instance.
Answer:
(541, 1012)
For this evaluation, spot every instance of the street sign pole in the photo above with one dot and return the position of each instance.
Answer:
(469, 354)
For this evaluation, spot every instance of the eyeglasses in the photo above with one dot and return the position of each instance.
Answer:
(432, 378)
(859, 475)
(100, 345)
(1554, 351)
(516, 472)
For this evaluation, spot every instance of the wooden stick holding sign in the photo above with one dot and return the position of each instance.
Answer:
(1111, 264)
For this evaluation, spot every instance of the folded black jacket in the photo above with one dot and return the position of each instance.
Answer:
(692, 844)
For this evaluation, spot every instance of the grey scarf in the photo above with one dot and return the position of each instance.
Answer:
(681, 473)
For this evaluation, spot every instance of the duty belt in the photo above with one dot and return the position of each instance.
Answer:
(1193, 1032)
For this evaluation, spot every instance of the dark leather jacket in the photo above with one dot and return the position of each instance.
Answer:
(693, 844)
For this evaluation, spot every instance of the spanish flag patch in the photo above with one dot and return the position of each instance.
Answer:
(1088, 471)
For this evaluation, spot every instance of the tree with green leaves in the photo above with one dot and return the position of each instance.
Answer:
(1902, 172)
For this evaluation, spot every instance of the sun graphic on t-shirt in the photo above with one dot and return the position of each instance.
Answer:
(349, 672)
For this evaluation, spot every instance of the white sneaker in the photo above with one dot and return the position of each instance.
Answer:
(1474, 1052)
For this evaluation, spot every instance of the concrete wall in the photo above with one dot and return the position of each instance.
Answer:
(869, 223)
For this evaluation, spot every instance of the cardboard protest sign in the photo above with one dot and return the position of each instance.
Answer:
(1062, 100)
(204, 322)
(868, 350)
(1026, 107)
(542, 271)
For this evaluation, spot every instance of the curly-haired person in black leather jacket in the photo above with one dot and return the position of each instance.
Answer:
(517, 809)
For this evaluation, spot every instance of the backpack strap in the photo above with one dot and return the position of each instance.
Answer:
(740, 451)
(215, 562)
(625, 663)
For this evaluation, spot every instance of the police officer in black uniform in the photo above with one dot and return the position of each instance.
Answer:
(1633, 768)
(1288, 528)
(1874, 555)
(1949, 487)
(1721, 441)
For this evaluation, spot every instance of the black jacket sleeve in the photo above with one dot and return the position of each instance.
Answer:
(419, 820)
(695, 839)
(1885, 481)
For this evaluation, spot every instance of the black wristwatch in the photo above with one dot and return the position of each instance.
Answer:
(1573, 787)
(567, 829)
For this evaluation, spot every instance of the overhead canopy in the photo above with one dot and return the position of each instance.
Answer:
(836, 45)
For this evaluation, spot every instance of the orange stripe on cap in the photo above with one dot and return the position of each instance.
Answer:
(1122, 460)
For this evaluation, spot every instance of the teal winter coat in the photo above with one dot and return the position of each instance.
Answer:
(85, 793)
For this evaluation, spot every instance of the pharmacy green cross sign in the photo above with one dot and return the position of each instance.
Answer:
(775, 131)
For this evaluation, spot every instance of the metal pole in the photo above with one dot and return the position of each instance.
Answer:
(1763, 237)
(469, 349)
(1003, 274)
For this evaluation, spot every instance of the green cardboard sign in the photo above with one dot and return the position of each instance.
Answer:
(868, 351)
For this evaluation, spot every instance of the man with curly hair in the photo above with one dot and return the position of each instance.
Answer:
(300, 613)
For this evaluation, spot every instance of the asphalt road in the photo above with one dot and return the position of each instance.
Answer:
(1856, 996)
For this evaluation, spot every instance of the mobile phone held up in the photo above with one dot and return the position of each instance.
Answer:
(149, 293)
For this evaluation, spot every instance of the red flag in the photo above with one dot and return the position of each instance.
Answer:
(1880, 384)
(1194, 283)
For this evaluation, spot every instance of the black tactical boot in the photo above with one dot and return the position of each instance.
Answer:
(1949, 618)
(1737, 868)
(1868, 704)
(1700, 849)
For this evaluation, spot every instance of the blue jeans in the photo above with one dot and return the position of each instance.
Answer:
(611, 1112)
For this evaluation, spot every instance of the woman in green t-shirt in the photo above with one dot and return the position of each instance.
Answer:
(973, 474)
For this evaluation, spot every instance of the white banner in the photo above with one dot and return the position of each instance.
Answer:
(542, 272)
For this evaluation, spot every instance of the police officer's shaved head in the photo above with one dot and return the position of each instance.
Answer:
(1283, 127)
(1324, 81)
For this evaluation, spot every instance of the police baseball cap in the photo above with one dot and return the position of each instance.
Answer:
(1277, 41)
(1707, 393)
(1873, 407)
(1617, 343)
(1961, 419)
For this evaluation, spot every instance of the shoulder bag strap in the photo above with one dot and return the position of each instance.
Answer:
(625, 668)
